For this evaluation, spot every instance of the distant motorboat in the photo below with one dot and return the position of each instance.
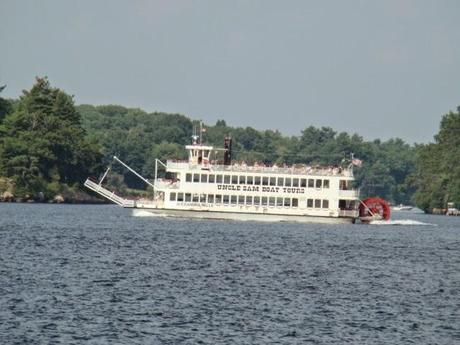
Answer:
(452, 210)
(402, 207)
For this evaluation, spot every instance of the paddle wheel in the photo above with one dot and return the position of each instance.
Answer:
(374, 209)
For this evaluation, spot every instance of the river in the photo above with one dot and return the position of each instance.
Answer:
(75, 274)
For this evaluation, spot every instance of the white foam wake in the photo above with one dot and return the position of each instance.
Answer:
(400, 222)
(142, 213)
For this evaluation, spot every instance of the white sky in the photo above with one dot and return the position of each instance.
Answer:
(381, 69)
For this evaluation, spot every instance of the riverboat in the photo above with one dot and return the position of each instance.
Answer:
(205, 187)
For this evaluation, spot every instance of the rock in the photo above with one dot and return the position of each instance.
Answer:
(7, 196)
(41, 196)
(58, 199)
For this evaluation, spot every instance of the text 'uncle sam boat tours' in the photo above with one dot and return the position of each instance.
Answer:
(204, 187)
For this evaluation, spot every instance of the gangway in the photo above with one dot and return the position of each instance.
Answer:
(108, 194)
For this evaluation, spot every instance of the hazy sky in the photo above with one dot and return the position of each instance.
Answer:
(379, 68)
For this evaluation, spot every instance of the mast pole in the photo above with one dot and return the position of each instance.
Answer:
(105, 174)
(201, 132)
(133, 171)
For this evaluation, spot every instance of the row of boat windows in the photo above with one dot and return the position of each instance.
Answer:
(258, 180)
(246, 200)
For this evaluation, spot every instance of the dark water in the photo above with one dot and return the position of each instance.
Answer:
(97, 275)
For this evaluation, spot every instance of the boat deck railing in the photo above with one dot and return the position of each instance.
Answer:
(242, 168)
(348, 213)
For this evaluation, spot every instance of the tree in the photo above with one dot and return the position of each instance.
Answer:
(43, 141)
(5, 106)
(437, 174)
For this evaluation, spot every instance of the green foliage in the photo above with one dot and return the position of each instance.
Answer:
(43, 144)
(437, 174)
(138, 138)
(5, 105)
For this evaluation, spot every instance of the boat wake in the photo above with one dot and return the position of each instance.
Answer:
(141, 213)
(400, 222)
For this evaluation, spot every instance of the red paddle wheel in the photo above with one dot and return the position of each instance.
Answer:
(374, 209)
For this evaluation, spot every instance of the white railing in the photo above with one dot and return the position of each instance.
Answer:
(266, 170)
(167, 184)
(350, 194)
(348, 213)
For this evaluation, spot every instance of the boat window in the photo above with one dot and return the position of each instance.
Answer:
(343, 185)
(295, 202)
(256, 200)
(172, 197)
(196, 177)
(310, 203)
(249, 200)
(242, 179)
(204, 178)
(287, 202)
(257, 180)
(240, 199)
(317, 203)
(211, 199)
(202, 197)
(325, 183)
(271, 201)
(180, 197)
(226, 199)
(303, 182)
(325, 203)
(188, 197)
(272, 181)
(279, 201)
(318, 183)
(233, 200)
(195, 197)
(218, 178)
(218, 199)
(250, 180)
(311, 183)
(264, 181)
(287, 182)
(280, 182)
(234, 179)
(212, 178)
(295, 182)
(264, 201)
(188, 178)
(227, 179)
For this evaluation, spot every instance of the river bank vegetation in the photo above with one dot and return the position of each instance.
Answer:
(48, 146)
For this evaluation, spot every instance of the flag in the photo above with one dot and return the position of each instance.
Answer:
(357, 162)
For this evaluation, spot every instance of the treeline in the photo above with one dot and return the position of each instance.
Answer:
(138, 138)
(49, 145)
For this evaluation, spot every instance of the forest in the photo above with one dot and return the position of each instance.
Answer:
(49, 145)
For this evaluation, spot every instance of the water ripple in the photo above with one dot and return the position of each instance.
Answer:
(96, 275)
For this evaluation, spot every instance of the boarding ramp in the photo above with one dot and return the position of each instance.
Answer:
(108, 194)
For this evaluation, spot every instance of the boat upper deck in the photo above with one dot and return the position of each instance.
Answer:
(275, 170)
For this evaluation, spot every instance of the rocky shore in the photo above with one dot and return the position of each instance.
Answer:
(78, 197)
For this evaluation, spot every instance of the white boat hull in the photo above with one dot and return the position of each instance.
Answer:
(159, 212)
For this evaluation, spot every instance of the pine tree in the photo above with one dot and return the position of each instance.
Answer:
(43, 142)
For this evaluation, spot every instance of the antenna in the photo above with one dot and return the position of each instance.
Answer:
(201, 132)
(194, 136)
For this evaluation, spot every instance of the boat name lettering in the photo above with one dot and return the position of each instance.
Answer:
(293, 190)
(264, 189)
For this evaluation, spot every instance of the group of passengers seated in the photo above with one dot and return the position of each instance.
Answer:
(296, 168)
